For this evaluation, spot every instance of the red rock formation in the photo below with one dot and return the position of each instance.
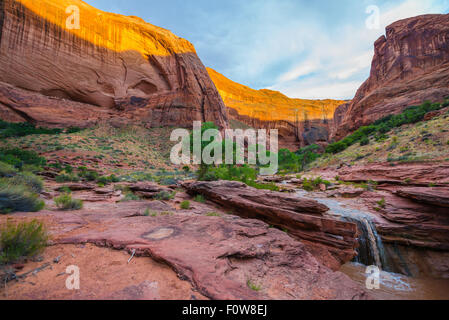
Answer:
(410, 65)
(415, 174)
(303, 218)
(113, 67)
(300, 122)
(411, 201)
(217, 255)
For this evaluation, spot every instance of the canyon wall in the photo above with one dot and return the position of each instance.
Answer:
(410, 65)
(112, 68)
(300, 122)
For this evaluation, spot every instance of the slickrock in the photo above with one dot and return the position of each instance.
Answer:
(112, 68)
(148, 189)
(410, 65)
(412, 174)
(433, 196)
(409, 222)
(219, 256)
(304, 219)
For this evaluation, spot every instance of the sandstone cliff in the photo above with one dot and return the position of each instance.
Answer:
(112, 67)
(410, 65)
(300, 122)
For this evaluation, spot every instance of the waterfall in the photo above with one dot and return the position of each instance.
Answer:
(371, 250)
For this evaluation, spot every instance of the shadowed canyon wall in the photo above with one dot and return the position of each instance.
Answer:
(114, 68)
(300, 122)
(410, 65)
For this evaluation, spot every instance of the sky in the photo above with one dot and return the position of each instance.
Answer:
(305, 49)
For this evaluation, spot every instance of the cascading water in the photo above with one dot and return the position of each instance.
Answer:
(371, 250)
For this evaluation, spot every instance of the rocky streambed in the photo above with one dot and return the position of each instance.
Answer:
(402, 230)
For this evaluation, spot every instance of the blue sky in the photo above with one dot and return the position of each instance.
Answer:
(305, 49)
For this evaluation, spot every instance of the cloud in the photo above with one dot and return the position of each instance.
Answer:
(338, 61)
(302, 48)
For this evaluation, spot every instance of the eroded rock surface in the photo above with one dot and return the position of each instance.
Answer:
(113, 68)
(410, 65)
(303, 218)
(219, 256)
(414, 174)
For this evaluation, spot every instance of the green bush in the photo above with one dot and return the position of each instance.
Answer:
(336, 147)
(130, 196)
(89, 175)
(186, 169)
(67, 178)
(185, 205)
(108, 179)
(23, 240)
(199, 198)
(382, 126)
(165, 195)
(18, 198)
(168, 181)
(7, 170)
(18, 157)
(313, 184)
(8, 130)
(65, 202)
(34, 183)
(364, 141)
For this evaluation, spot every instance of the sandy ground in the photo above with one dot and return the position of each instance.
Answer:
(104, 274)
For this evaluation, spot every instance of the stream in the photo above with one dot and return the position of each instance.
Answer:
(371, 252)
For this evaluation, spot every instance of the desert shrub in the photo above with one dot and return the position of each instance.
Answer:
(382, 126)
(18, 157)
(382, 203)
(168, 181)
(313, 184)
(33, 182)
(65, 202)
(213, 214)
(199, 198)
(186, 169)
(165, 195)
(263, 186)
(108, 179)
(307, 155)
(8, 130)
(253, 286)
(364, 141)
(67, 178)
(73, 130)
(336, 147)
(18, 198)
(23, 240)
(89, 175)
(7, 170)
(130, 196)
(185, 205)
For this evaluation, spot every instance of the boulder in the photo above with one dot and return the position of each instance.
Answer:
(148, 189)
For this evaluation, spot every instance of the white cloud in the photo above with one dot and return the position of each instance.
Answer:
(339, 65)
(301, 70)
